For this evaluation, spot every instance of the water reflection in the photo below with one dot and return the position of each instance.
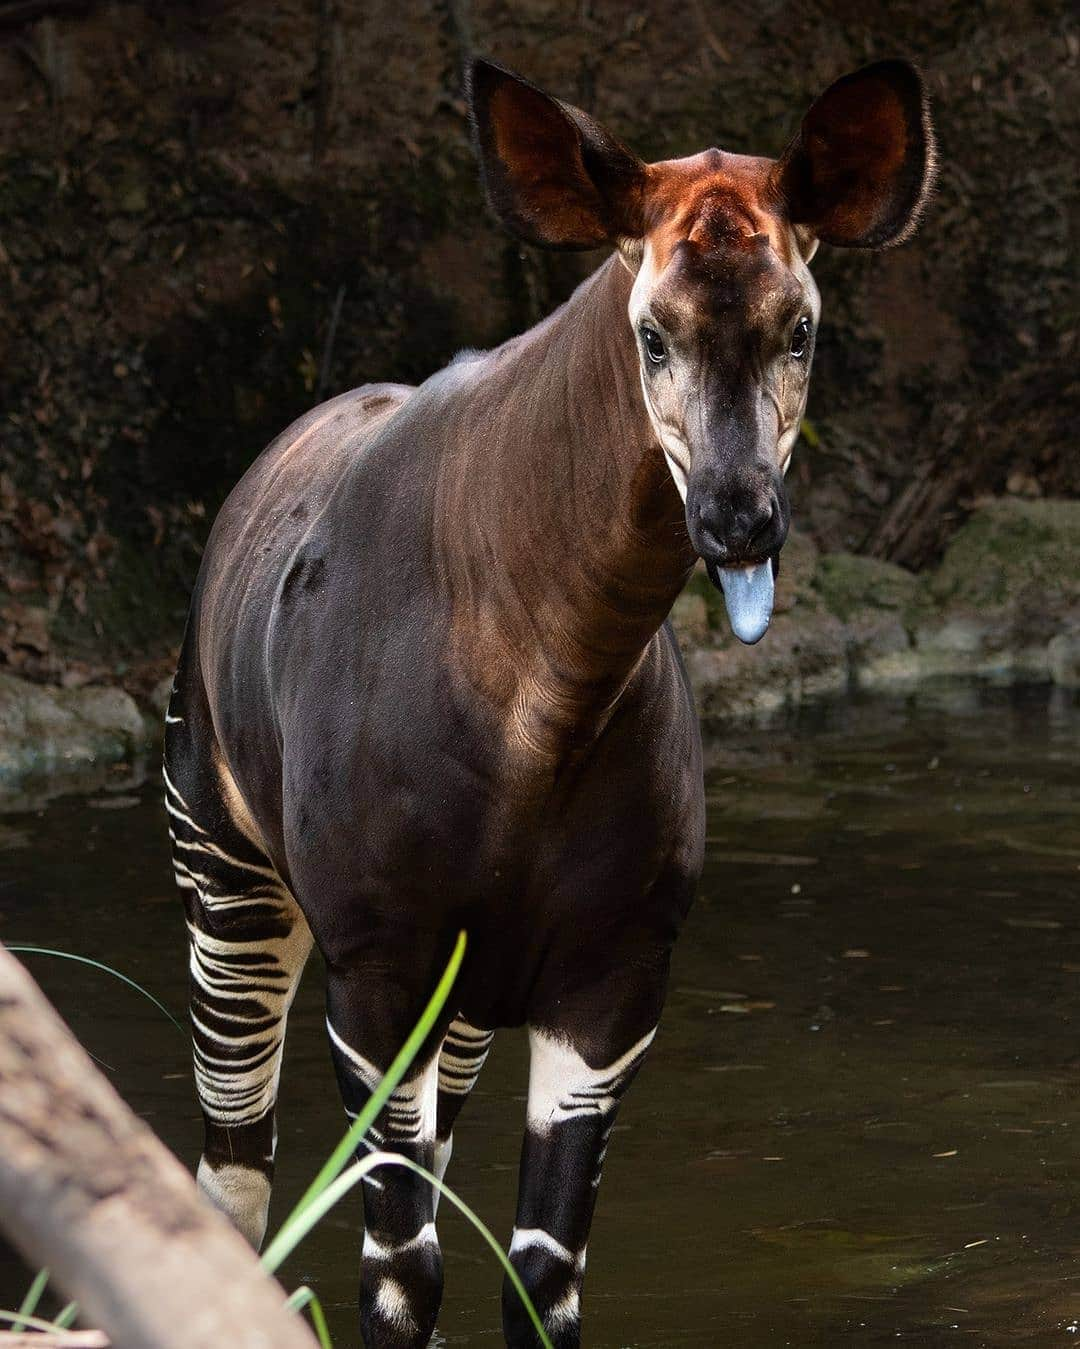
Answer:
(858, 1122)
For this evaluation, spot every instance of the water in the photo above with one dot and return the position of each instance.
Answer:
(859, 1123)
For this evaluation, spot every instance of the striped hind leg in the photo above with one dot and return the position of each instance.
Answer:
(248, 945)
(460, 1060)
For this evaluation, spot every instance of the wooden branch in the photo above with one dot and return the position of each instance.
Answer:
(88, 1190)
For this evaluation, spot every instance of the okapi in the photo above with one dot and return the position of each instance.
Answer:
(428, 684)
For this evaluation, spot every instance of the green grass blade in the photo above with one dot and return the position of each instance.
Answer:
(485, 1232)
(304, 1297)
(302, 1219)
(22, 949)
(322, 1203)
(65, 1317)
(283, 1243)
(29, 1304)
(20, 1321)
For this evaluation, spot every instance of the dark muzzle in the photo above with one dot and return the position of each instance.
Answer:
(738, 525)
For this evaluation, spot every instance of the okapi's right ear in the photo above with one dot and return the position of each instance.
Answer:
(553, 176)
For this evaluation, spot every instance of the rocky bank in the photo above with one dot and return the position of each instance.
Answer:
(1003, 605)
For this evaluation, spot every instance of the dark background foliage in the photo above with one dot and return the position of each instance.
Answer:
(213, 214)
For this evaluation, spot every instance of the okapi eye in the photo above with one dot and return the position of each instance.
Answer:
(800, 338)
(654, 346)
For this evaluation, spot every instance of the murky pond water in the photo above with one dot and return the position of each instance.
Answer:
(860, 1122)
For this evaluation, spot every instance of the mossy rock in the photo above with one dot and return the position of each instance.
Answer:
(1012, 548)
(54, 730)
(701, 599)
(849, 585)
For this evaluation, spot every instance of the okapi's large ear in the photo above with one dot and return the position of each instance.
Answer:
(861, 167)
(552, 174)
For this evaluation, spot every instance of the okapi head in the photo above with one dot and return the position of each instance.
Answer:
(723, 307)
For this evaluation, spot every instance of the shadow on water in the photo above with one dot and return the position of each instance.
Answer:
(859, 1123)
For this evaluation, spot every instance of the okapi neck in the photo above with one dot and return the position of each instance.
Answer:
(564, 536)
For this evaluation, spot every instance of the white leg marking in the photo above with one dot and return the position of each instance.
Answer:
(565, 1312)
(365, 1069)
(444, 1149)
(242, 1193)
(412, 1108)
(462, 1056)
(171, 789)
(376, 1250)
(562, 1086)
(525, 1237)
(238, 1090)
(393, 1304)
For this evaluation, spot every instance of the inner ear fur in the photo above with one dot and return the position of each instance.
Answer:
(861, 167)
(553, 175)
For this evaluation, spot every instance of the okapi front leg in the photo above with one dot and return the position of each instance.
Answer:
(571, 1112)
(401, 1273)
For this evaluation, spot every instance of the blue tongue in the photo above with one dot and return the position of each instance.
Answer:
(748, 595)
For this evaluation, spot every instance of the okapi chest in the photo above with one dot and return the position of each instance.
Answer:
(427, 683)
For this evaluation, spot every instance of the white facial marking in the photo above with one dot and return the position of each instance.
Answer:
(676, 450)
(666, 421)
(562, 1086)
(672, 442)
(785, 446)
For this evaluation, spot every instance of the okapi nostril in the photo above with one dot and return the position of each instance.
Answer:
(764, 522)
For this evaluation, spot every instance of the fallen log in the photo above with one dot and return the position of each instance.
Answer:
(88, 1190)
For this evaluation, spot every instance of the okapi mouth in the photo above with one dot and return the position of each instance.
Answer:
(748, 592)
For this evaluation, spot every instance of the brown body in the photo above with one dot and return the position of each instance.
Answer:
(455, 658)
(427, 682)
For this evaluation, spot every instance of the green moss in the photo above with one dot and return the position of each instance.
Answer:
(848, 584)
(700, 585)
(1011, 546)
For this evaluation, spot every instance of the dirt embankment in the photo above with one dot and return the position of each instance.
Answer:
(213, 214)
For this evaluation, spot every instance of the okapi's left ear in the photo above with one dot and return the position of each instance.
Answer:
(861, 167)
(552, 174)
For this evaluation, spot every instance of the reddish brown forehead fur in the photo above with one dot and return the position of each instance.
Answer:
(714, 200)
